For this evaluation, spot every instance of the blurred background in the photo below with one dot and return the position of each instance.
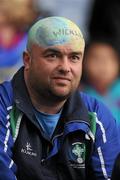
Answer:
(99, 21)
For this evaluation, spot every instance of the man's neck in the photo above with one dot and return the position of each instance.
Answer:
(47, 107)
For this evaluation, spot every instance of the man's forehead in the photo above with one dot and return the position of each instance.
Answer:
(65, 49)
(56, 31)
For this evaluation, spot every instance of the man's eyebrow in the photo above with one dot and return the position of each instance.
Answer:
(54, 50)
(49, 50)
(76, 53)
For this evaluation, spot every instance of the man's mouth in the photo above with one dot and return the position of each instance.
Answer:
(62, 78)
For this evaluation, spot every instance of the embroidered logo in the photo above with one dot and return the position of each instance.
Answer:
(28, 147)
(28, 150)
(78, 155)
(78, 150)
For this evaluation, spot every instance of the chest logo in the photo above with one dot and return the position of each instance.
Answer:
(28, 150)
(78, 151)
(28, 147)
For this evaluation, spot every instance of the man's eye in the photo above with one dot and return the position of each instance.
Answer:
(52, 55)
(75, 58)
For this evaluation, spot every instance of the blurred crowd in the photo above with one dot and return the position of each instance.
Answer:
(99, 21)
(101, 67)
(16, 16)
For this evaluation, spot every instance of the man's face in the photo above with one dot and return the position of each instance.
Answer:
(55, 70)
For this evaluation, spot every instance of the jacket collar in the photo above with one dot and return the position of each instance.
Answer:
(74, 109)
(21, 96)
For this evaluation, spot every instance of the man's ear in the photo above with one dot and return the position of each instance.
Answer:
(26, 59)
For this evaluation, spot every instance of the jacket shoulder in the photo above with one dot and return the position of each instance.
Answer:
(92, 103)
(99, 108)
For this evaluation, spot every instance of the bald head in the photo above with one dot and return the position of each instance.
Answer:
(53, 31)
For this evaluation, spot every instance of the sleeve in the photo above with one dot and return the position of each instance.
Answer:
(7, 165)
(107, 146)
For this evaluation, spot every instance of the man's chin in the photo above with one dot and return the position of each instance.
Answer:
(60, 96)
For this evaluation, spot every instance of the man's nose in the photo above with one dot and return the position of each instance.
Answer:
(64, 65)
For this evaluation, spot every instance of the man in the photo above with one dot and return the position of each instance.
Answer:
(48, 129)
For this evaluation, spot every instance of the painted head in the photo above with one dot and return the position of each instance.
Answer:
(55, 31)
(53, 61)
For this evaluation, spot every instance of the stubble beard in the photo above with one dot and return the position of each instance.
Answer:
(52, 95)
(56, 95)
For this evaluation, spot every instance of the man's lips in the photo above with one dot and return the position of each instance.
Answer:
(62, 78)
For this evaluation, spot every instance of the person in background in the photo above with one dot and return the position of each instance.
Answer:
(101, 75)
(15, 18)
(48, 128)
